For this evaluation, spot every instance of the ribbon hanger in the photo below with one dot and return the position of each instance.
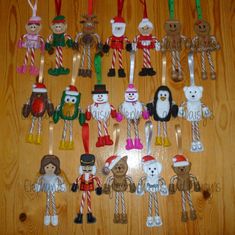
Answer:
(116, 135)
(85, 137)
(171, 6)
(132, 67)
(164, 69)
(34, 7)
(120, 4)
(76, 64)
(90, 7)
(98, 71)
(58, 6)
(40, 77)
(143, 2)
(51, 128)
(148, 135)
(178, 135)
(191, 68)
(199, 9)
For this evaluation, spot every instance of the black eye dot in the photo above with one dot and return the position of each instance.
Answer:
(195, 91)
(190, 92)
(165, 95)
(204, 26)
(155, 168)
(170, 25)
(149, 168)
(174, 25)
(47, 167)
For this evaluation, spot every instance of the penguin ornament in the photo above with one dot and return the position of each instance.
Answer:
(162, 109)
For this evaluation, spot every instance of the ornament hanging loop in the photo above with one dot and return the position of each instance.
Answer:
(178, 135)
(34, 7)
(164, 69)
(116, 135)
(51, 128)
(76, 64)
(42, 61)
(58, 6)
(148, 135)
(199, 9)
(191, 68)
(171, 6)
(85, 137)
(132, 67)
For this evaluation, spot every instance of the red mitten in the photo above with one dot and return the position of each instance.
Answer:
(113, 113)
(88, 115)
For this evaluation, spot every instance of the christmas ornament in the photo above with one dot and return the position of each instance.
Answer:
(58, 40)
(117, 41)
(118, 182)
(193, 110)
(183, 181)
(174, 43)
(163, 108)
(145, 41)
(86, 179)
(69, 108)
(86, 40)
(204, 43)
(152, 182)
(132, 109)
(101, 109)
(31, 41)
(50, 182)
(37, 106)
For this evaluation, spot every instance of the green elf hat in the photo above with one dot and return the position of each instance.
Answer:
(58, 19)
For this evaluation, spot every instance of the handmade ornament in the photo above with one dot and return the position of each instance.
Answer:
(86, 179)
(86, 40)
(50, 182)
(101, 109)
(152, 182)
(117, 42)
(69, 108)
(31, 41)
(145, 41)
(132, 110)
(119, 181)
(174, 42)
(37, 106)
(58, 40)
(193, 110)
(204, 43)
(183, 181)
(163, 108)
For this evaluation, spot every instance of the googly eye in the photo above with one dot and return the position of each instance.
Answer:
(174, 25)
(67, 99)
(73, 100)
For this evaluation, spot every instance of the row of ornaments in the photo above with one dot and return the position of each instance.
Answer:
(88, 39)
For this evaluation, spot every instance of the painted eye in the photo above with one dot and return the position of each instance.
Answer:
(149, 168)
(190, 92)
(155, 168)
(67, 99)
(73, 100)
(195, 91)
(165, 95)
(200, 26)
(174, 25)
(170, 26)
(204, 26)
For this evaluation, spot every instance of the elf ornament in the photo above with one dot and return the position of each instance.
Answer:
(174, 42)
(117, 41)
(37, 106)
(58, 40)
(152, 182)
(86, 40)
(132, 109)
(145, 41)
(31, 41)
(204, 43)
(193, 110)
(86, 179)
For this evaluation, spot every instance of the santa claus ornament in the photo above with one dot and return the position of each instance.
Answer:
(204, 43)
(69, 109)
(117, 42)
(86, 180)
(174, 42)
(152, 182)
(163, 108)
(183, 181)
(87, 40)
(31, 41)
(101, 109)
(58, 40)
(37, 106)
(145, 41)
(50, 182)
(193, 110)
(118, 182)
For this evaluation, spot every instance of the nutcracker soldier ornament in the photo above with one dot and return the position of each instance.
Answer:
(132, 109)
(86, 179)
(86, 40)
(31, 41)
(204, 43)
(37, 106)
(152, 182)
(145, 41)
(117, 41)
(101, 109)
(174, 43)
(58, 40)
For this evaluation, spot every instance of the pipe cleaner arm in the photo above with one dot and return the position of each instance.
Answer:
(150, 108)
(113, 112)
(88, 113)
(196, 185)
(131, 184)
(119, 116)
(145, 112)
(163, 188)
(172, 188)
(140, 189)
(174, 109)
(107, 185)
(74, 187)
(81, 117)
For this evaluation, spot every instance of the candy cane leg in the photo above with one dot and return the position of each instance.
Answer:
(165, 130)
(70, 131)
(116, 209)
(190, 202)
(156, 204)
(128, 128)
(105, 128)
(150, 204)
(39, 126)
(120, 59)
(136, 128)
(83, 58)
(99, 125)
(211, 64)
(174, 62)
(114, 58)
(203, 64)
(48, 203)
(82, 202)
(89, 201)
(59, 57)
(32, 55)
(26, 58)
(123, 203)
(177, 53)
(32, 126)
(147, 61)
(89, 57)
(64, 130)
(53, 203)
(183, 198)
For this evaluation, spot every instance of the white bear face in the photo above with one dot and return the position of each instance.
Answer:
(152, 169)
(118, 29)
(193, 93)
(163, 95)
(100, 98)
(131, 96)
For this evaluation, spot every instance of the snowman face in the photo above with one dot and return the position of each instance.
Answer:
(131, 96)
(100, 98)
(118, 29)
(163, 95)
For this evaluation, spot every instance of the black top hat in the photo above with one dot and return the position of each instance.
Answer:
(87, 159)
(100, 89)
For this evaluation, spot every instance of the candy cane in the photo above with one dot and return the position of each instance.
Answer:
(120, 58)
(203, 62)
(128, 128)
(53, 203)
(114, 58)
(64, 130)
(190, 200)
(116, 209)
(89, 201)
(70, 131)
(183, 198)
(26, 58)
(123, 203)
(89, 57)
(32, 125)
(156, 204)
(105, 128)
(48, 203)
(99, 128)
(150, 204)
(136, 128)
(82, 202)
(212, 67)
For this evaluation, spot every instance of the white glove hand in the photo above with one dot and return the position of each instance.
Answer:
(164, 190)
(181, 112)
(62, 188)
(37, 188)
(139, 190)
(206, 112)
(157, 46)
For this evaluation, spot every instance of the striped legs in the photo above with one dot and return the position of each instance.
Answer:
(85, 194)
(207, 54)
(59, 57)
(184, 216)
(196, 145)
(176, 71)
(122, 217)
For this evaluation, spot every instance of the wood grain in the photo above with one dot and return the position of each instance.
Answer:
(19, 161)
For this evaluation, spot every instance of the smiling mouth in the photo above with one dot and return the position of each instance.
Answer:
(131, 98)
(100, 99)
(163, 98)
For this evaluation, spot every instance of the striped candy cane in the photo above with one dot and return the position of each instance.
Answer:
(70, 131)
(203, 62)
(32, 57)
(114, 58)
(183, 198)
(190, 202)
(32, 125)
(99, 128)
(39, 126)
(53, 203)
(150, 204)
(120, 58)
(26, 58)
(89, 201)
(89, 57)
(64, 130)
(83, 58)
(123, 203)
(164, 129)
(82, 202)
(116, 203)
(105, 128)
(136, 128)
(128, 128)
(147, 61)
(212, 67)
(156, 204)
(48, 203)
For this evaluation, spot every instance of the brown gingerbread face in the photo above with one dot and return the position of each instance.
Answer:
(172, 27)
(182, 170)
(120, 168)
(33, 28)
(89, 24)
(202, 28)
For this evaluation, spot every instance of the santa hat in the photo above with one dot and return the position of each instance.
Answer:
(180, 160)
(145, 21)
(148, 159)
(131, 89)
(119, 20)
(110, 163)
(71, 90)
(39, 88)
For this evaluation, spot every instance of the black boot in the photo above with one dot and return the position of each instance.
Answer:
(78, 219)
(121, 73)
(111, 73)
(143, 72)
(90, 218)
(151, 72)
(88, 73)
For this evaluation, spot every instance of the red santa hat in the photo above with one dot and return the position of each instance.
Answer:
(131, 89)
(110, 163)
(145, 21)
(71, 90)
(119, 20)
(39, 88)
(180, 160)
(148, 159)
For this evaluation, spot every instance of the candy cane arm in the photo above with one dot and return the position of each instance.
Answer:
(197, 187)
(163, 188)
(69, 41)
(172, 189)
(131, 184)
(74, 187)
(139, 189)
